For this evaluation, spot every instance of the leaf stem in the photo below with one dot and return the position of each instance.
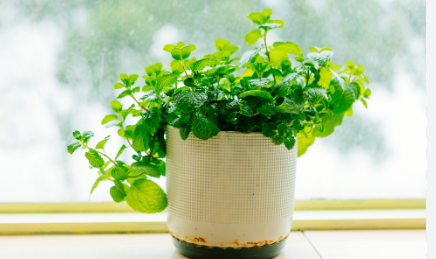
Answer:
(100, 153)
(267, 53)
(140, 105)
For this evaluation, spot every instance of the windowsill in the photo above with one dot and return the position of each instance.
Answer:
(126, 222)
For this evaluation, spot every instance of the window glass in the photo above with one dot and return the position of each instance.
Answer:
(59, 61)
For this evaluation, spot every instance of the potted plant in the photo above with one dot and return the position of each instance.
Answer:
(224, 132)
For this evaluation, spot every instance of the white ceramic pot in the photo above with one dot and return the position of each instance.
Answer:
(234, 190)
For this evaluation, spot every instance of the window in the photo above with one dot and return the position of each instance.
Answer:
(59, 61)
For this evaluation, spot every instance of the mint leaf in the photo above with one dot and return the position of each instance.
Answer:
(282, 129)
(205, 128)
(116, 194)
(116, 106)
(253, 36)
(289, 142)
(97, 182)
(260, 17)
(152, 120)
(119, 173)
(165, 81)
(290, 105)
(342, 100)
(141, 138)
(73, 147)
(328, 125)
(267, 109)
(76, 135)
(278, 140)
(94, 158)
(86, 136)
(304, 141)
(269, 130)
(257, 93)
(146, 196)
(120, 151)
(101, 144)
(322, 58)
(109, 118)
(188, 101)
(148, 169)
(184, 131)
(202, 63)
(246, 111)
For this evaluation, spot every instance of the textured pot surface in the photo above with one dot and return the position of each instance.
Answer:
(234, 190)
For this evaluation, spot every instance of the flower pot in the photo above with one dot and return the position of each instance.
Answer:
(231, 196)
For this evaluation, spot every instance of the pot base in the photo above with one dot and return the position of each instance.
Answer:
(195, 251)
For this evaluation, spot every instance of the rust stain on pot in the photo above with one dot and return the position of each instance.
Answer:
(201, 241)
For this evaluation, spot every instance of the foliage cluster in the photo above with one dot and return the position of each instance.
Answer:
(262, 91)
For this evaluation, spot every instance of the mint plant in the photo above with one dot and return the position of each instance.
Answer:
(272, 89)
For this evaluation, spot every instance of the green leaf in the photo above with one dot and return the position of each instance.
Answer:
(176, 66)
(189, 82)
(326, 77)
(364, 103)
(116, 194)
(119, 173)
(269, 130)
(118, 86)
(267, 109)
(289, 142)
(246, 111)
(109, 118)
(278, 140)
(73, 147)
(247, 124)
(260, 17)
(148, 169)
(141, 138)
(290, 105)
(146, 196)
(152, 120)
(328, 125)
(204, 128)
(205, 62)
(304, 141)
(120, 151)
(101, 144)
(367, 93)
(273, 24)
(76, 135)
(249, 55)
(257, 93)
(289, 47)
(164, 81)
(351, 65)
(86, 136)
(188, 101)
(282, 129)
(154, 69)
(94, 158)
(96, 183)
(316, 94)
(169, 47)
(185, 130)
(116, 106)
(342, 100)
(253, 36)
(284, 85)
(322, 58)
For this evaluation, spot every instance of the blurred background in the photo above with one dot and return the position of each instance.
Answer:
(60, 59)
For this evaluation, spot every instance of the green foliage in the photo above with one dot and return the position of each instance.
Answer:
(270, 96)
(146, 196)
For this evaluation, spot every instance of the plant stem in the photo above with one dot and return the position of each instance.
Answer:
(267, 53)
(151, 148)
(140, 105)
(100, 154)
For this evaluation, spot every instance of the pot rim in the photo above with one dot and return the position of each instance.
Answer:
(232, 132)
